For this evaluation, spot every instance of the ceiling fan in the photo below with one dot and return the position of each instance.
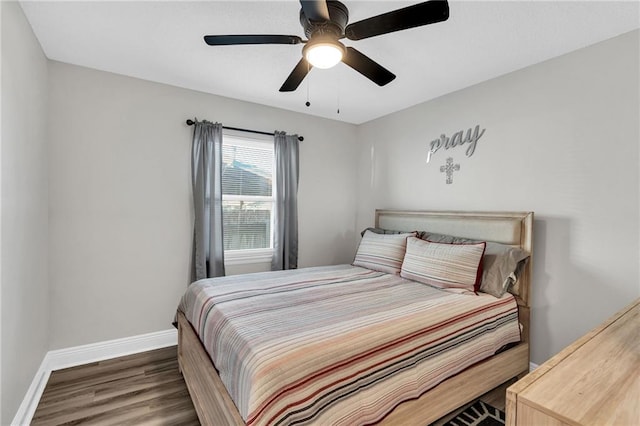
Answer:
(325, 24)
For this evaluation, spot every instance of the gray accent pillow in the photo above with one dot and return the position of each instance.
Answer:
(443, 238)
(501, 263)
(388, 231)
(502, 266)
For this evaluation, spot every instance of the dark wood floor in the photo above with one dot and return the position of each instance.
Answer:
(141, 389)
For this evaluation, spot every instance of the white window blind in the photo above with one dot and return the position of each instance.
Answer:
(247, 196)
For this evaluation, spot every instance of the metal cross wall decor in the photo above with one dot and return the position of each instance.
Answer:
(449, 168)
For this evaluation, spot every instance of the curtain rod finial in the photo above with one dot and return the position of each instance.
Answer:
(190, 122)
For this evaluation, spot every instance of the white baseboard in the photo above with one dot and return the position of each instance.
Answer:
(532, 366)
(32, 397)
(85, 354)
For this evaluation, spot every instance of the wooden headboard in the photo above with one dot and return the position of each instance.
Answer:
(512, 228)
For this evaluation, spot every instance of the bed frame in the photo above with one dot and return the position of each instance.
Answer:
(215, 407)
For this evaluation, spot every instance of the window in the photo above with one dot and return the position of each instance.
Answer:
(247, 198)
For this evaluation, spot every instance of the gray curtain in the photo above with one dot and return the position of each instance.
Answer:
(285, 235)
(206, 173)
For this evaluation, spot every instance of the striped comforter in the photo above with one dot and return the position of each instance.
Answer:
(339, 344)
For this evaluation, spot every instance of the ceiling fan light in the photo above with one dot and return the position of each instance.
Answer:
(324, 55)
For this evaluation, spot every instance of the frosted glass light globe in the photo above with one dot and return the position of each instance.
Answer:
(323, 55)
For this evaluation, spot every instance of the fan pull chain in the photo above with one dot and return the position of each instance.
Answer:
(308, 104)
(338, 100)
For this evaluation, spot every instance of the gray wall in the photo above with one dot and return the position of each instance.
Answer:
(120, 196)
(95, 218)
(23, 214)
(561, 140)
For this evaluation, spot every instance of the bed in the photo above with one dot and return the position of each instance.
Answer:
(426, 401)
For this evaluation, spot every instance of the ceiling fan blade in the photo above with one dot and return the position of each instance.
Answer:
(367, 67)
(315, 10)
(417, 15)
(225, 40)
(297, 75)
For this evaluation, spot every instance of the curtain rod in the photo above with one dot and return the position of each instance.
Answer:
(190, 122)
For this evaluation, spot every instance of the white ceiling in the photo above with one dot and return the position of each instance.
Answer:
(162, 41)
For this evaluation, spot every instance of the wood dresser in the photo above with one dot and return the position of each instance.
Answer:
(594, 381)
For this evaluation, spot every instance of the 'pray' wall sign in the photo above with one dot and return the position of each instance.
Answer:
(457, 139)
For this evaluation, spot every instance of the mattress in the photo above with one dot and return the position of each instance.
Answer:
(339, 344)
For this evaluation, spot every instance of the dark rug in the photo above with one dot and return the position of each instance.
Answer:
(478, 414)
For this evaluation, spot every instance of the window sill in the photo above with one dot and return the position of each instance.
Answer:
(243, 257)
